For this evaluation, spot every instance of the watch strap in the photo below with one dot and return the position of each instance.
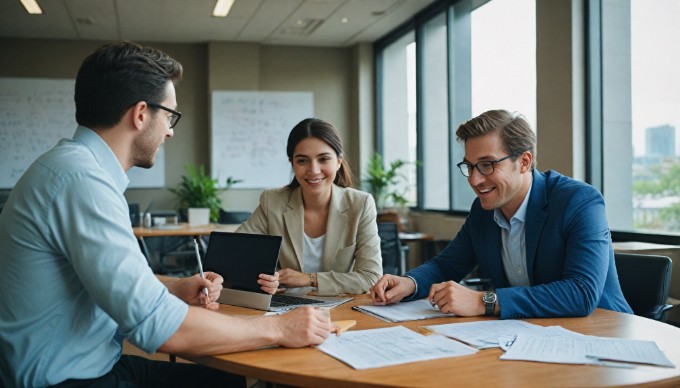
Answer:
(489, 307)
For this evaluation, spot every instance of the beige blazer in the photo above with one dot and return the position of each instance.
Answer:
(351, 261)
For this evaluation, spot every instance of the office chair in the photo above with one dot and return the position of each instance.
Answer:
(228, 217)
(645, 281)
(392, 251)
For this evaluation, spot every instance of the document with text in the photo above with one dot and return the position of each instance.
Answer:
(374, 348)
(583, 349)
(485, 334)
(403, 311)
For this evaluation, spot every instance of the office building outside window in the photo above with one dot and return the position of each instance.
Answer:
(640, 92)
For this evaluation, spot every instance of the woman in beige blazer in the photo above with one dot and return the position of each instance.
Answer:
(329, 230)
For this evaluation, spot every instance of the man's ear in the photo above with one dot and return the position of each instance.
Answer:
(139, 114)
(526, 159)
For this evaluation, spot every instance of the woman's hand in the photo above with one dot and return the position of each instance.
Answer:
(269, 283)
(291, 278)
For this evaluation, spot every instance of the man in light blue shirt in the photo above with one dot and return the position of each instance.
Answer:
(73, 282)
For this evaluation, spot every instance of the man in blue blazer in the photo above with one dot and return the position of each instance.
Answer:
(541, 238)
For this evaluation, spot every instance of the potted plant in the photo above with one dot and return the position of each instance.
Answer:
(199, 190)
(382, 182)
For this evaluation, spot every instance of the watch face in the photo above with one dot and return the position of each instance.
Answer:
(489, 297)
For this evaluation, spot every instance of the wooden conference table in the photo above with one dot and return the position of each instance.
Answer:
(313, 368)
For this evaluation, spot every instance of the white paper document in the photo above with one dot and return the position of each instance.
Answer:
(363, 349)
(507, 341)
(573, 349)
(486, 334)
(404, 311)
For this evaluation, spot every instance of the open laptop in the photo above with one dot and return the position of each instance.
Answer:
(240, 258)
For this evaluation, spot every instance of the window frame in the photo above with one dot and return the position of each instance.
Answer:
(595, 123)
(459, 109)
(594, 173)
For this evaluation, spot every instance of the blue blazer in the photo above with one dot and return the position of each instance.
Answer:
(570, 259)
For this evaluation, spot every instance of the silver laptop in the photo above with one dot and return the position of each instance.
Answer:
(240, 258)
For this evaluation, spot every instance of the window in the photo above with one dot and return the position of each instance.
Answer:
(469, 56)
(435, 116)
(504, 58)
(398, 114)
(640, 94)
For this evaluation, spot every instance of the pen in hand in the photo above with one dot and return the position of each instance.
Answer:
(200, 269)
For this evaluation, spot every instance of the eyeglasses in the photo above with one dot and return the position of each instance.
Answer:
(485, 167)
(174, 116)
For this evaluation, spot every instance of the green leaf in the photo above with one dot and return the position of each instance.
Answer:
(198, 189)
(382, 182)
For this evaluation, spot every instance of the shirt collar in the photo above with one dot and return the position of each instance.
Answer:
(104, 155)
(520, 214)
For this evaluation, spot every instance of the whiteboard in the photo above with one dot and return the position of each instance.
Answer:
(249, 135)
(34, 115)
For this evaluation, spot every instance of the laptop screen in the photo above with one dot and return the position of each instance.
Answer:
(241, 257)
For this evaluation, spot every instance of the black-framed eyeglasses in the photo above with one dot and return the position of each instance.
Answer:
(485, 167)
(174, 115)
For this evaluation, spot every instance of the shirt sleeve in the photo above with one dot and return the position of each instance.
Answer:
(92, 229)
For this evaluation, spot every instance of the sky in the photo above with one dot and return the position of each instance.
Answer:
(655, 67)
(504, 62)
(508, 48)
(504, 57)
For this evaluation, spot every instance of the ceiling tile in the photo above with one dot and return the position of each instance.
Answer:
(184, 21)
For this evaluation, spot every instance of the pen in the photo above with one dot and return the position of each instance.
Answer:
(613, 364)
(200, 268)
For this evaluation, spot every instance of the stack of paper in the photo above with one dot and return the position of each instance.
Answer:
(404, 311)
(486, 334)
(528, 342)
(363, 349)
(585, 349)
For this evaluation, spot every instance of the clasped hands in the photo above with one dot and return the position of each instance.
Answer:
(449, 297)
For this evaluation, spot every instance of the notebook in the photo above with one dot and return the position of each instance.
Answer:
(239, 258)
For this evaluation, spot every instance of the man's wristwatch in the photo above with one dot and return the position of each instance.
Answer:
(489, 298)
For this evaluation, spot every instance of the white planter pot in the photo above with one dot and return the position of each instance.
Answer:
(198, 216)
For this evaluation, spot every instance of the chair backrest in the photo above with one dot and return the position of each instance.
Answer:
(390, 247)
(645, 281)
(227, 217)
(133, 208)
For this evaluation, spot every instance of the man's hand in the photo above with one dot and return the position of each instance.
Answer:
(452, 297)
(190, 289)
(293, 278)
(303, 326)
(391, 289)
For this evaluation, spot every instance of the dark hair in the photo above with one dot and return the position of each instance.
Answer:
(117, 76)
(513, 129)
(327, 133)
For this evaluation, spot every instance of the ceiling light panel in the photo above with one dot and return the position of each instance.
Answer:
(32, 7)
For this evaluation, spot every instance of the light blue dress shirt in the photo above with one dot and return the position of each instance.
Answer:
(73, 281)
(513, 249)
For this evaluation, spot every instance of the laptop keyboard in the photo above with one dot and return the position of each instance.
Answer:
(281, 300)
